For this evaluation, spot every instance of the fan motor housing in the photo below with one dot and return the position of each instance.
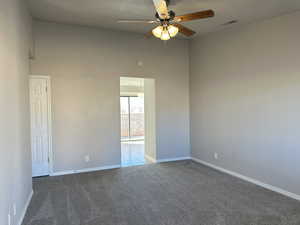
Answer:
(171, 16)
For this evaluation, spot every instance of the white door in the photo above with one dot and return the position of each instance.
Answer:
(39, 108)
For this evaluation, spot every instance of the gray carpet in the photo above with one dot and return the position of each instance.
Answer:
(177, 193)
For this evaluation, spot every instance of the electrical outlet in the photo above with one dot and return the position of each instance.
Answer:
(87, 158)
(15, 209)
(216, 155)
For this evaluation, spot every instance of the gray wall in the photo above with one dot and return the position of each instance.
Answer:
(15, 157)
(245, 91)
(85, 65)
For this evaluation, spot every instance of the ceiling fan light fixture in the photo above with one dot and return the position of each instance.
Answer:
(173, 31)
(157, 32)
(165, 35)
(165, 32)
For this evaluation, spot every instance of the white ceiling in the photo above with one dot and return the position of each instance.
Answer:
(105, 13)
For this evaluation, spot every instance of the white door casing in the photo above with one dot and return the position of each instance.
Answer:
(40, 111)
(150, 119)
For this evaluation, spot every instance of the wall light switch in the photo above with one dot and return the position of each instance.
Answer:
(87, 158)
(216, 155)
(140, 63)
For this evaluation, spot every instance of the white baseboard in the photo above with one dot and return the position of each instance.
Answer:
(66, 172)
(251, 180)
(150, 159)
(172, 159)
(25, 208)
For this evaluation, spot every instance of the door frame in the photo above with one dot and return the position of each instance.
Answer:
(49, 119)
(150, 138)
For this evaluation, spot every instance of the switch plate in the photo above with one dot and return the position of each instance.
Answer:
(216, 155)
(87, 158)
(140, 63)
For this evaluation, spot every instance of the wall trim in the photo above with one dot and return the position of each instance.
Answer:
(173, 159)
(66, 172)
(22, 216)
(249, 179)
(150, 159)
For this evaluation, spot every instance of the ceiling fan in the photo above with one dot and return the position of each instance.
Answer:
(169, 23)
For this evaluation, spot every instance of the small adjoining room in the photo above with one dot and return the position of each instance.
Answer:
(149, 112)
(132, 114)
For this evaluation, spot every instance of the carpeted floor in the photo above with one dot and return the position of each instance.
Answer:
(177, 193)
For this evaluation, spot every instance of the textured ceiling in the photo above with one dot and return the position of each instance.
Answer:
(105, 13)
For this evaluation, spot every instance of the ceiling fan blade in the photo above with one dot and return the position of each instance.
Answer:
(184, 30)
(195, 16)
(161, 7)
(137, 21)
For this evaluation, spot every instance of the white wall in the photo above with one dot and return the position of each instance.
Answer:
(245, 91)
(85, 65)
(15, 157)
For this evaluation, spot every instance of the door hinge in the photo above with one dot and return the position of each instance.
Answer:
(46, 88)
(48, 159)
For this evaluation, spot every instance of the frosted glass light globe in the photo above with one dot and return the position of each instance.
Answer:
(173, 31)
(157, 31)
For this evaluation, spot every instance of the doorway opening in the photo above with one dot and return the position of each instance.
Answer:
(136, 116)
